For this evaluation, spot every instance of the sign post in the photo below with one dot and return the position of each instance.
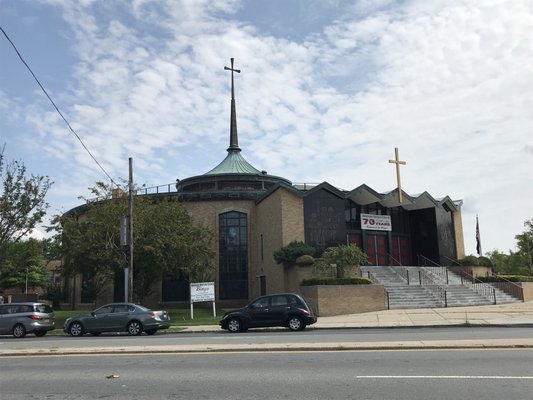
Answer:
(200, 292)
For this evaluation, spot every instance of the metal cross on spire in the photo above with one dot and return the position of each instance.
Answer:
(234, 141)
(398, 163)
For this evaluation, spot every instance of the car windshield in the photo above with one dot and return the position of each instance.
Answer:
(141, 308)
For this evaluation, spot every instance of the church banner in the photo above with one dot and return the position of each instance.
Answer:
(376, 222)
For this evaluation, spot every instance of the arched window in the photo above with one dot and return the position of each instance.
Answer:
(233, 255)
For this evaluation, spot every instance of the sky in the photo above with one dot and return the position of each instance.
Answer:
(327, 90)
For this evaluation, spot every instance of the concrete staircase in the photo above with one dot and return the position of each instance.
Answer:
(430, 287)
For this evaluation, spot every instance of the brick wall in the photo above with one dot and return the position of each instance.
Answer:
(459, 236)
(279, 222)
(527, 288)
(327, 300)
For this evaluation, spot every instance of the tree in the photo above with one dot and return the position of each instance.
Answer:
(288, 255)
(525, 244)
(166, 243)
(344, 256)
(519, 262)
(22, 202)
(24, 266)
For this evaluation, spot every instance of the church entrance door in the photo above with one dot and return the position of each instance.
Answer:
(376, 249)
(400, 250)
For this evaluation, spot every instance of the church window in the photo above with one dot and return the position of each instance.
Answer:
(233, 255)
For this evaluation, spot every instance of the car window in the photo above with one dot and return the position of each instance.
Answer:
(3, 309)
(22, 308)
(119, 308)
(132, 309)
(279, 301)
(259, 303)
(43, 308)
(104, 310)
(295, 301)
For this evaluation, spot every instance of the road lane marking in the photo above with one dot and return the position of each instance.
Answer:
(440, 377)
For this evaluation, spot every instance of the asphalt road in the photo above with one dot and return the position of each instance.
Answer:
(272, 336)
(414, 375)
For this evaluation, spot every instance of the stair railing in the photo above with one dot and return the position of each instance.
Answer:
(507, 286)
(433, 287)
(436, 269)
(478, 286)
(403, 271)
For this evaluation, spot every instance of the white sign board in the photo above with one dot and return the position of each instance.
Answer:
(204, 291)
(376, 222)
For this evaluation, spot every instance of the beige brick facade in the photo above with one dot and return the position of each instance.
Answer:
(459, 237)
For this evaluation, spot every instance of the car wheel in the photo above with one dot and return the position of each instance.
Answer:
(295, 323)
(234, 325)
(135, 328)
(19, 331)
(76, 329)
(39, 333)
(96, 333)
(150, 331)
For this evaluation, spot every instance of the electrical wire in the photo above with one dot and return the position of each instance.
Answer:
(55, 106)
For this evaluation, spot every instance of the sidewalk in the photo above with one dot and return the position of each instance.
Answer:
(496, 315)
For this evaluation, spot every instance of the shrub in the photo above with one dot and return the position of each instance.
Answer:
(305, 260)
(344, 256)
(335, 281)
(288, 255)
(475, 261)
(503, 278)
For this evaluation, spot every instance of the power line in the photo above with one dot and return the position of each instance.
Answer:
(56, 108)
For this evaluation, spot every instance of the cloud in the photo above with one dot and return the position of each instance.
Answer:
(447, 82)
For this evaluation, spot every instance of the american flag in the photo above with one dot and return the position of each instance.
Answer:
(478, 238)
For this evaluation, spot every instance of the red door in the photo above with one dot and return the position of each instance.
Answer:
(400, 250)
(376, 249)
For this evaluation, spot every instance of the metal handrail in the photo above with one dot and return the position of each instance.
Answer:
(437, 290)
(403, 272)
(395, 259)
(479, 287)
(507, 286)
(422, 260)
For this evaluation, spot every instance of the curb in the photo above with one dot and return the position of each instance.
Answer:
(296, 347)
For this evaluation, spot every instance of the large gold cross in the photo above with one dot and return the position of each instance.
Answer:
(398, 163)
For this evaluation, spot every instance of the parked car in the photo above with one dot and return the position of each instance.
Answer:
(118, 317)
(19, 319)
(284, 309)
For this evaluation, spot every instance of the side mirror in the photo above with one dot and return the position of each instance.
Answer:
(93, 314)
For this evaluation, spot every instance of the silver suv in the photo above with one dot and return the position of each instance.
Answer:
(21, 318)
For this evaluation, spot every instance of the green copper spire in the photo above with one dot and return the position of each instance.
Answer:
(234, 163)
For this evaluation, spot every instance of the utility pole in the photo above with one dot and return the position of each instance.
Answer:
(130, 226)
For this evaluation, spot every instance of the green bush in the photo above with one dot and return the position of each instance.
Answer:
(288, 255)
(476, 261)
(503, 278)
(335, 281)
(305, 260)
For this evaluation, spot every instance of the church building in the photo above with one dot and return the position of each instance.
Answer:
(253, 214)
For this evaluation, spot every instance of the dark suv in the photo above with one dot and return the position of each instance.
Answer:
(21, 318)
(284, 309)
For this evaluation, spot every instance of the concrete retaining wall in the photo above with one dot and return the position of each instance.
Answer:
(327, 300)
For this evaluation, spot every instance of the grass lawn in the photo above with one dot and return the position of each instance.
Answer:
(179, 317)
